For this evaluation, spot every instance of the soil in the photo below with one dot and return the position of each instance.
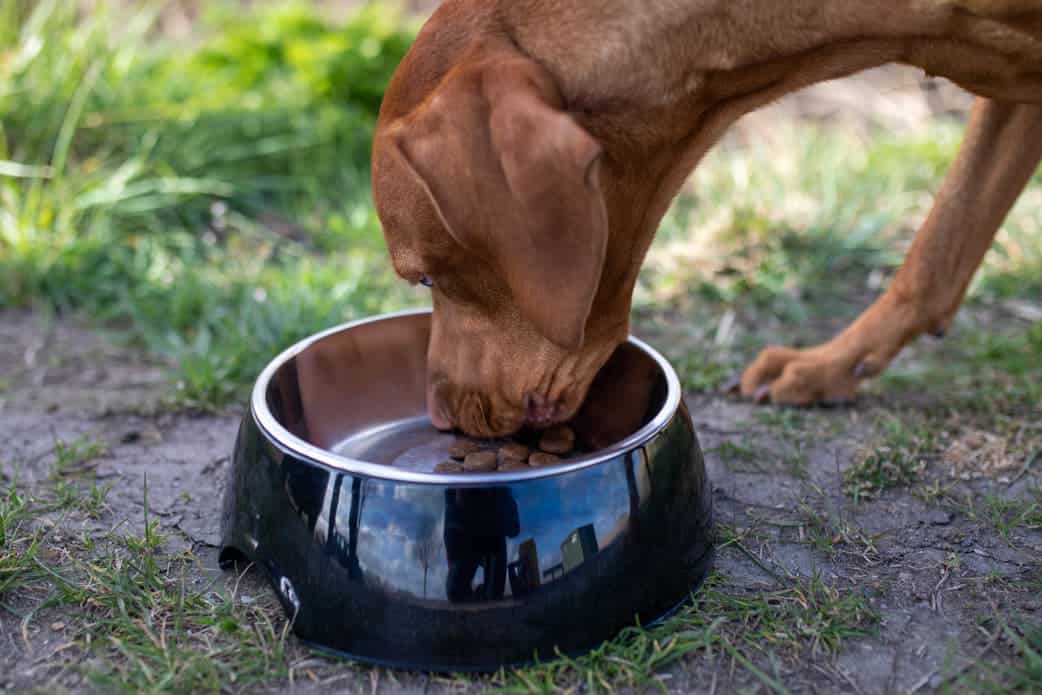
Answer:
(933, 574)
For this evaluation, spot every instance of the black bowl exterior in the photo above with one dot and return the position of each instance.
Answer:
(454, 577)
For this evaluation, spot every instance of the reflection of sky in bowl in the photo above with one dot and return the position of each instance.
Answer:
(401, 528)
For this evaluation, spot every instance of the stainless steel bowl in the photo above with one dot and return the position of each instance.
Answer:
(395, 565)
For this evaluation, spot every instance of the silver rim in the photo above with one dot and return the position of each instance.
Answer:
(290, 443)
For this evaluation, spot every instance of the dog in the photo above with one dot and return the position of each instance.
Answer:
(526, 151)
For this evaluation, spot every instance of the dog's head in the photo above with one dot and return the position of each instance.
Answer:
(491, 194)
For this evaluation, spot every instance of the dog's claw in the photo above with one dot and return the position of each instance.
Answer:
(733, 385)
(940, 333)
(763, 394)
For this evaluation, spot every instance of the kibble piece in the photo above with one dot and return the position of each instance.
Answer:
(449, 467)
(480, 462)
(462, 448)
(558, 440)
(514, 452)
(540, 459)
(511, 466)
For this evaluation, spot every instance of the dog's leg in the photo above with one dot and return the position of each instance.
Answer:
(1002, 147)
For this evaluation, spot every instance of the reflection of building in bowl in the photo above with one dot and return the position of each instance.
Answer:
(524, 572)
(577, 549)
(580, 546)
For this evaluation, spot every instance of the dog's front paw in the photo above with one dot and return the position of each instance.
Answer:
(821, 374)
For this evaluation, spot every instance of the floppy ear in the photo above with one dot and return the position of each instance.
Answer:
(516, 180)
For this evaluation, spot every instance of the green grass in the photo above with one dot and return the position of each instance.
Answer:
(19, 543)
(896, 459)
(740, 457)
(1003, 514)
(24, 541)
(152, 626)
(70, 458)
(157, 633)
(804, 620)
(210, 204)
(142, 613)
(787, 240)
(1020, 674)
(983, 372)
(832, 536)
(210, 201)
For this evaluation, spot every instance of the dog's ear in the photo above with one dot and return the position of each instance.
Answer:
(515, 179)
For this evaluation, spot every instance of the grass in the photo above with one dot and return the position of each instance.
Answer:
(70, 458)
(142, 613)
(209, 205)
(19, 543)
(23, 540)
(788, 239)
(210, 202)
(1020, 674)
(987, 373)
(804, 620)
(1006, 515)
(152, 626)
(161, 634)
(833, 536)
(740, 457)
(896, 459)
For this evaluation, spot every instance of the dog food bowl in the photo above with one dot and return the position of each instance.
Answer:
(375, 558)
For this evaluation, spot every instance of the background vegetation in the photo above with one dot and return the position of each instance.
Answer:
(209, 199)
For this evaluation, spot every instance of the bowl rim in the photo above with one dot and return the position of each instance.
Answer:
(290, 443)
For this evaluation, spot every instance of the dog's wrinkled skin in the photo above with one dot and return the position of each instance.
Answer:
(527, 149)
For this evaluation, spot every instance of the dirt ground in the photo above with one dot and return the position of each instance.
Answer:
(932, 574)
(937, 575)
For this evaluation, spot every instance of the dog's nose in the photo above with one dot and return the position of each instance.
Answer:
(436, 406)
(541, 412)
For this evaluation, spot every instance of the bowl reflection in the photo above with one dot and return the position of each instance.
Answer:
(448, 572)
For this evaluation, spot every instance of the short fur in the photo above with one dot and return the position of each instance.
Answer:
(527, 150)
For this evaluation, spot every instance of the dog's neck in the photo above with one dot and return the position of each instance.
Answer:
(614, 53)
(657, 82)
(687, 69)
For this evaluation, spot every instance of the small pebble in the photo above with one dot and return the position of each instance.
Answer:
(449, 467)
(480, 462)
(462, 448)
(540, 459)
(558, 440)
(514, 452)
(57, 626)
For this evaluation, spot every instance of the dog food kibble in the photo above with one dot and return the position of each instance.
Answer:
(514, 452)
(558, 440)
(524, 451)
(540, 459)
(462, 448)
(480, 462)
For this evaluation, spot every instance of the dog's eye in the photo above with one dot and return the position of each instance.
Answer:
(426, 281)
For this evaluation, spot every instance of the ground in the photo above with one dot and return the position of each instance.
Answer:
(907, 589)
(161, 239)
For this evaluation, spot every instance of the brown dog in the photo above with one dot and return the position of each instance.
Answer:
(527, 150)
